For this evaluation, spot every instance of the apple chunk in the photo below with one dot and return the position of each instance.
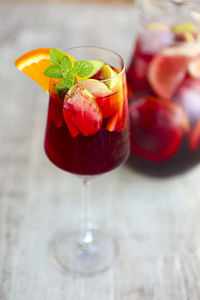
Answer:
(97, 65)
(81, 108)
(95, 87)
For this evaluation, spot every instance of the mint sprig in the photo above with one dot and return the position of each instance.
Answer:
(62, 68)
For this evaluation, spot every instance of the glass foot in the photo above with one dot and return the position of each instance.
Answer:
(67, 254)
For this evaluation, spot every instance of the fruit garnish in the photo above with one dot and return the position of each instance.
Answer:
(97, 65)
(156, 128)
(194, 68)
(187, 97)
(194, 141)
(184, 28)
(95, 87)
(82, 111)
(33, 64)
(108, 73)
(168, 69)
(63, 68)
(157, 26)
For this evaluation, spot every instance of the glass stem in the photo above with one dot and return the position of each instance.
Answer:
(86, 236)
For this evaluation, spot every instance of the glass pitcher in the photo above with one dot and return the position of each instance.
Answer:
(164, 88)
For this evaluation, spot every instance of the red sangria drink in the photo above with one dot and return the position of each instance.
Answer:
(87, 129)
(164, 90)
(87, 133)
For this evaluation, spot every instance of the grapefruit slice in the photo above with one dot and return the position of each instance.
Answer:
(168, 69)
(34, 63)
(156, 128)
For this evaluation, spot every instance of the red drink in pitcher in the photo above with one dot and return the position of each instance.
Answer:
(164, 91)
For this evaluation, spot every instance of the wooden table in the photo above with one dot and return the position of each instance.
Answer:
(156, 222)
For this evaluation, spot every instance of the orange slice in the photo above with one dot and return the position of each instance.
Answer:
(34, 63)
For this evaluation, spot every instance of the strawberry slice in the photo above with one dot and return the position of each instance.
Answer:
(157, 128)
(83, 111)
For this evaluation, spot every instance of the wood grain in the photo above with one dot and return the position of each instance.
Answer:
(155, 222)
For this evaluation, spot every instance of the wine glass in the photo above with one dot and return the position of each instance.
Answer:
(88, 142)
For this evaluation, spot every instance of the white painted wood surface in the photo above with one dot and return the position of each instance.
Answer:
(156, 222)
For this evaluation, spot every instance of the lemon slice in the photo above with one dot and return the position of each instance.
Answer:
(184, 27)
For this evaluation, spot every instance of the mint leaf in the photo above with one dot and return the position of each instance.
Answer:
(83, 68)
(66, 63)
(68, 79)
(74, 70)
(53, 71)
(56, 56)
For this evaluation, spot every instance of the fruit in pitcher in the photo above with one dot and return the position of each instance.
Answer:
(153, 41)
(157, 128)
(187, 97)
(185, 32)
(82, 110)
(168, 69)
(148, 44)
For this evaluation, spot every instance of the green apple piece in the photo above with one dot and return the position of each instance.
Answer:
(107, 72)
(97, 65)
(95, 87)
(182, 28)
(87, 93)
